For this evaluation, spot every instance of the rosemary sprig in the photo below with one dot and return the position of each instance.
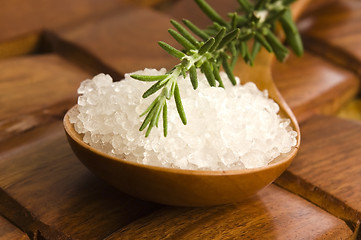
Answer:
(220, 44)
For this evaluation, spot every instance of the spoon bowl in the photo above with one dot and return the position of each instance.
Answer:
(190, 188)
(176, 187)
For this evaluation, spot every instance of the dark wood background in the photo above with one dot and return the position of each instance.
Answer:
(48, 47)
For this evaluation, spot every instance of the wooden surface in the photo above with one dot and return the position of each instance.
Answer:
(331, 147)
(257, 218)
(9, 231)
(46, 193)
(339, 37)
(35, 89)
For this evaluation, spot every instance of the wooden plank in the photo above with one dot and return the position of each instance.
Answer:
(35, 89)
(25, 221)
(125, 41)
(327, 169)
(40, 172)
(272, 214)
(311, 85)
(9, 231)
(352, 110)
(19, 17)
(148, 3)
(337, 37)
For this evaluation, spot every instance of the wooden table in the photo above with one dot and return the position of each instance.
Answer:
(48, 47)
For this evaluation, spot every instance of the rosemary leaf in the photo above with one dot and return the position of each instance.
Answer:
(217, 76)
(150, 107)
(193, 77)
(148, 130)
(280, 51)
(228, 71)
(240, 20)
(273, 16)
(242, 49)
(155, 119)
(260, 4)
(165, 120)
(154, 88)
(246, 5)
(148, 118)
(184, 32)
(229, 37)
(197, 31)
(179, 105)
(206, 46)
(218, 38)
(263, 41)
(292, 36)
(232, 48)
(207, 70)
(255, 49)
(181, 40)
(210, 12)
(234, 60)
(234, 22)
(147, 78)
(245, 35)
(172, 89)
(248, 58)
(171, 50)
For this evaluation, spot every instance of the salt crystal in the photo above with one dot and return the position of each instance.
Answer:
(232, 128)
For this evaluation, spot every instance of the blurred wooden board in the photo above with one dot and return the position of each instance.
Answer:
(18, 17)
(35, 89)
(311, 85)
(40, 172)
(327, 169)
(272, 214)
(9, 231)
(125, 42)
(337, 37)
(352, 110)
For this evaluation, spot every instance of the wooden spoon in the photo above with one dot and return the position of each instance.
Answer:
(191, 187)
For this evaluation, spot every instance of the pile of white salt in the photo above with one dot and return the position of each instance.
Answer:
(233, 128)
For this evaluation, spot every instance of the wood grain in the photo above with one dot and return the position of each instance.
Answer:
(149, 3)
(272, 214)
(122, 46)
(327, 170)
(19, 17)
(38, 170)
(352, 110)
(338, 37)
(311, 85)
(9, 231)
(35, 89)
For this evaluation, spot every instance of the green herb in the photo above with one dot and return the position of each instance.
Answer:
(221, 44)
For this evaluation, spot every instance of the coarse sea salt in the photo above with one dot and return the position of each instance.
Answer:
(236, 127)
